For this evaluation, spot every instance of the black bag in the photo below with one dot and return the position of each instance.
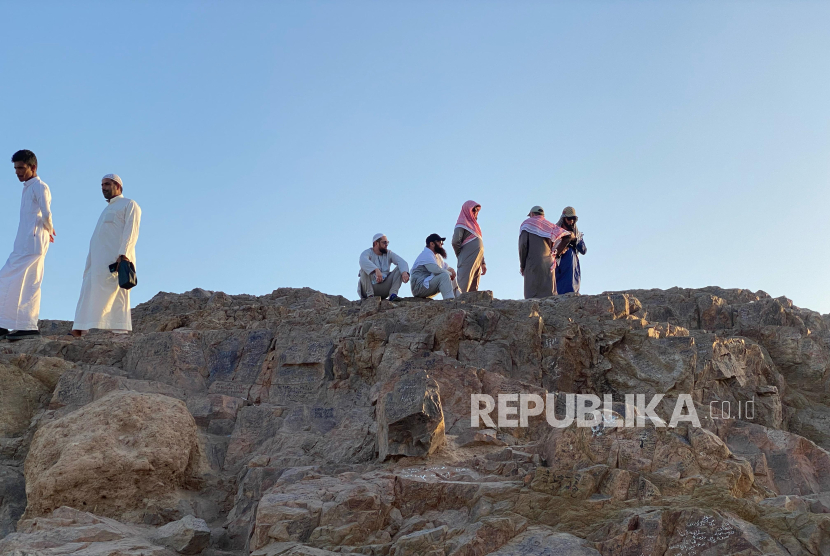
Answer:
(127, 278)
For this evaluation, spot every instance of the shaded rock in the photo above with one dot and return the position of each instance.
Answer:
(543, 541)
(188, 535)
(410, 420)
(67, 531)
(785, 463)
(123, 455)
(12, 498)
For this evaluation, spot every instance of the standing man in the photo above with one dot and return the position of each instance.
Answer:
(568, 273)
(103, 304)
(431, 274)
(376, 276)
(22, 275)
(539, 239)
(469, 248)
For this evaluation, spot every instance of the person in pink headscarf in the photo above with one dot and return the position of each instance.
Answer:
(469, 248)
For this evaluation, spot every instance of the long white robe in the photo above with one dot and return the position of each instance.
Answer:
(103, 304)
(22, 275)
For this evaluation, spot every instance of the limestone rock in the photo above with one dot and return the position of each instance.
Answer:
(123, 455)
(188, 535)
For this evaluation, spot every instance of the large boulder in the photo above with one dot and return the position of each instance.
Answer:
(189, 535)
(122, 456)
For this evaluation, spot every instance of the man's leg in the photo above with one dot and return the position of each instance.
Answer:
(418, 289)
(447, 287)
(382, 289)
(364, 285)
(395, 280)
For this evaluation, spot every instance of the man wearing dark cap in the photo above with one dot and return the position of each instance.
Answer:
(22, 275)
(431, 273)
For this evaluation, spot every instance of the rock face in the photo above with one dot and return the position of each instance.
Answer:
(120, 456)
(410, 420)
(299, 423)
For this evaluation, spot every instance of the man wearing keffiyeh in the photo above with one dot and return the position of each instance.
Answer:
(469, 248)
(539, 240)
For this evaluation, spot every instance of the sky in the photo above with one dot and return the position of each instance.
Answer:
(267, 142)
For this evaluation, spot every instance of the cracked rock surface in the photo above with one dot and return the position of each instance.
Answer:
(300, 423)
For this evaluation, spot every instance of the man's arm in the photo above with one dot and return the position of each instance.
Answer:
(433, 268)
(580, 245)
(458, 237)
(366, 264)
(44, 203)
(522, 251)
(402, 265)
(129, 236)
(561, 244)
(398, 261)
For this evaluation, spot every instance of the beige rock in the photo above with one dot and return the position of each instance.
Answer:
(123, 456)
(20, 397)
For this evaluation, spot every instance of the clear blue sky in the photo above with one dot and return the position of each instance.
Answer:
(268, 141)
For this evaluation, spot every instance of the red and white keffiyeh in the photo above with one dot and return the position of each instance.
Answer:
(467, 221)
(542, 227)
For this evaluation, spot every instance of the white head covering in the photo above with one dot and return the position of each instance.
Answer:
(377, 237)
(115, 178)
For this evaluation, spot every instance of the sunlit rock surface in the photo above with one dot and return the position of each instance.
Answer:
(299, 423)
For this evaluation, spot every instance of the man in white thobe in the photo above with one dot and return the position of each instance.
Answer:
(104, 305)
(22, 275)
(376, 275)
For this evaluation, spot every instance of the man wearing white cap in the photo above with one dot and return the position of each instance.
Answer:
(22, 275)
(376, 275)
(103, 304)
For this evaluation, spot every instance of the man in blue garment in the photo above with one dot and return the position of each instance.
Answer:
(568, 273)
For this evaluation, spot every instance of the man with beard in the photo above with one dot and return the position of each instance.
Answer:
(22, 275)
(376, 274)
(103, 304)
(539, 240)
(568, 273)
(431, 274)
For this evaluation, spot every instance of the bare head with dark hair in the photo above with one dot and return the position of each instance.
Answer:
(25, 165)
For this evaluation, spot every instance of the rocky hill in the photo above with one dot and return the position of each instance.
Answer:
(299, 423)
